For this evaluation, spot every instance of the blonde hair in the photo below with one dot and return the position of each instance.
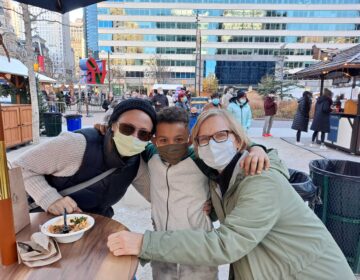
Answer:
(234, 127)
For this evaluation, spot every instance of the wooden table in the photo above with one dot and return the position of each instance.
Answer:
(86, 259)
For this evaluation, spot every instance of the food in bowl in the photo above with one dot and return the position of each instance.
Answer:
(74, 224)
(78, 223)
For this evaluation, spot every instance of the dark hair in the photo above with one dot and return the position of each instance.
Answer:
(328, 93)
(172, 115)
(215, 95)
(240, 93)
(307, 93)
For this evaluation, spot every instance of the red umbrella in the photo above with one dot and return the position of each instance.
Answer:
(60, 6)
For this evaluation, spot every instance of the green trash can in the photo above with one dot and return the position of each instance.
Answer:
(53, 123)
(339, 183)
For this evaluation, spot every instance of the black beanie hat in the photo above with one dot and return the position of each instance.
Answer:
(133, 104)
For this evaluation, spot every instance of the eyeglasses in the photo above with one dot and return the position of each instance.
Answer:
(220, 136)
(128, 129)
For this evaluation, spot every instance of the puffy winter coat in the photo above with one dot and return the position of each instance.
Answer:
(242, 114)
(301, 119)
(321, 120)
(270, 106)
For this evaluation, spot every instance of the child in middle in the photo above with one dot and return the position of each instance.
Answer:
(178, 189)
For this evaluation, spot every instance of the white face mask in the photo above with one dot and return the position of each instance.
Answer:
(128, 146)
(218, 155)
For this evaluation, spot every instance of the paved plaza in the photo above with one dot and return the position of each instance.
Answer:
(134, 211)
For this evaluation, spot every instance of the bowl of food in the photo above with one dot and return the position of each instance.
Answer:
(78, 224)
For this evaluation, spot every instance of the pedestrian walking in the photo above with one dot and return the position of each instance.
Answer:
(160, 100)
(270, 107)
(240, 109)
(301, 119)
(182, 102)
(214, 102)
(321, 122)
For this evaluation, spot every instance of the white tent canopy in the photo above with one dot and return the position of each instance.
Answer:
(15, 67)
(166, 86)
(45, 79)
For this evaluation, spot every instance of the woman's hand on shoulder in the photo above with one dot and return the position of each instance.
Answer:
(255, 162)
(101, 127)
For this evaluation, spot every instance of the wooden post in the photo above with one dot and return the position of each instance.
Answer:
(322, 77)
(7, 237)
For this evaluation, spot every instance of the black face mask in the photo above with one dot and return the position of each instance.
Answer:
(173, 153)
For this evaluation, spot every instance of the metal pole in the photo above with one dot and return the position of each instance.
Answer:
(196, 51)
(109, 76)
(200, 65)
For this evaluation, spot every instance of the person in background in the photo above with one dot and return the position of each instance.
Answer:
(214, 102)
(270, 107)
(110, 109)
(170, 98)
(51, 99)
(228, 94)
(194, 113)
(321, 122)
(159, 100)
(301, 119)
(182, 102)
(240, 109)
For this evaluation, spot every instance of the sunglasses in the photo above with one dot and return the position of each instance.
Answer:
(128, 129)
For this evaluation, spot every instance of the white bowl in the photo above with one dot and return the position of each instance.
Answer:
(67, 237)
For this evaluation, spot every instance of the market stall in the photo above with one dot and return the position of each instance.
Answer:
(343, 68)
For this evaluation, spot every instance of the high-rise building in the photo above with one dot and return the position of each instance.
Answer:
(77, 43)
(241, 40)
(91, 31)
(54, 28)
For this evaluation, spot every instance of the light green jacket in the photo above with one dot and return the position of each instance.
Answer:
(266, 232)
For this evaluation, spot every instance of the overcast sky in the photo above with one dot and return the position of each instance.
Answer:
(78, 13)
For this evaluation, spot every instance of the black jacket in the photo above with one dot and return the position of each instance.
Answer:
(301, 119)
(321, 120)
(100, 155)
(160, 101)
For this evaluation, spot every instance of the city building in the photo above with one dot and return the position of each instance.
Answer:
(241, 40)
(77, 43)
(91, 31)
(41, 51)
(54, 28)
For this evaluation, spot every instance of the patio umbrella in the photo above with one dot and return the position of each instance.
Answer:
(60, 6)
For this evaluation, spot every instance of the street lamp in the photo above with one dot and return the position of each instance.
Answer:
(103, 52)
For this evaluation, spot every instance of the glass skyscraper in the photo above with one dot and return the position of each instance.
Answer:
(91, 30)
(241, 40)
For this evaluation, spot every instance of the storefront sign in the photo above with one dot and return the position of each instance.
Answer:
(334, 127)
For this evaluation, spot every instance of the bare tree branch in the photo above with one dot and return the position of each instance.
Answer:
(35, 18)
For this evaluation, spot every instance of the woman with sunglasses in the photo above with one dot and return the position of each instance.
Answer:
(266, 230)
(73, 158)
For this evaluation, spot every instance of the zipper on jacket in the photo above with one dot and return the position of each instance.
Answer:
(167, 201)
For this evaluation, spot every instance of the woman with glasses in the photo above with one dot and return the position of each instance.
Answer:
(266, 230)
(70, 159)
